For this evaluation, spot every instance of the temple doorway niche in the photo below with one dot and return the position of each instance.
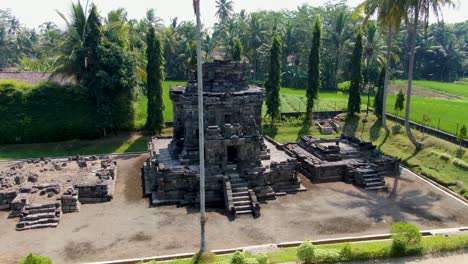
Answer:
(232, 154)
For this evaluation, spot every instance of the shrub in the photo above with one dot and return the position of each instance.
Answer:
(45, 112)
(34, 259)
(305, 252)
(404, 236)
(444, 156)
(262, 259)
(461, 164)
(344, 86)
(346, 253)
(238, 258)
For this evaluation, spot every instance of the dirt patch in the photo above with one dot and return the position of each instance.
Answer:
(133, 191)
(78, 229)
(342, 225)
(140, 237)
(75, 250)
(420, 92)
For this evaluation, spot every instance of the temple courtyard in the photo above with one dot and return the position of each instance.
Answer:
(128, 227)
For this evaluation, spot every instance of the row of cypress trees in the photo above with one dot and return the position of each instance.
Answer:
(272, 85)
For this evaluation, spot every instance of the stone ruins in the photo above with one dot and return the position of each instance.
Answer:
(343, 159)
(242, 167)
(37, 191)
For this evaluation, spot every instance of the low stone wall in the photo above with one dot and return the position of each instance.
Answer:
(70, 202)
(6, 198)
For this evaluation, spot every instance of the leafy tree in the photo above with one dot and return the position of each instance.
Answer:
(390, 13)
(273, 83)
(462, 135)
(306, 252)
(354, 100)
(155, 70)
(237, 51)
(314, 77)
(72, 57)
(338, 38)
(378, 99)
(224, 11)
(400, 101)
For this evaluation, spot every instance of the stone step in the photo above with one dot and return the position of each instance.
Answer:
(240, 193)
(243, 212)
(376, 187)
(373, 179)
(239, 185)
(372, 184)
(243, 207)
(239, 189)
(240, 203)
(240, 198)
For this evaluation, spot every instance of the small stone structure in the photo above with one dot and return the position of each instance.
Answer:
(241, 166)
(37, 191)
(328, 126)
(343, 159)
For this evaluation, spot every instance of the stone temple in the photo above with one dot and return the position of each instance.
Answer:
(242, 167)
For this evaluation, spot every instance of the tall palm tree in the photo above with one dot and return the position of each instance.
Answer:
(338, 39)
(418, 8)
(225, 10)
(390, 13)
(374, 57)
(70, 63)
(255, 41)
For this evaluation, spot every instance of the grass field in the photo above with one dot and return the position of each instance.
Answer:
(450, 112)
(459, 89)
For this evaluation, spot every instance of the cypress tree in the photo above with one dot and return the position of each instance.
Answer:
(354, 101)
(91, 47)
(272, 85)
(400, 101)
(378, 99)
(314, 75)
(237, 50)
(155, 72)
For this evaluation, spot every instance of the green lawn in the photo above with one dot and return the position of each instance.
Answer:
(331, 253)
(459, 89)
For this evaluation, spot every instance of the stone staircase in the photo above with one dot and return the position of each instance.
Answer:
(240, 200)
(39, 216)
(369, 179)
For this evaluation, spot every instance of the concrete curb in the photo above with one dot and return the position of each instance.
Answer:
(282, 245)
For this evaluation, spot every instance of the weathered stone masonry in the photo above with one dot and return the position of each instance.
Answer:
(239, 164)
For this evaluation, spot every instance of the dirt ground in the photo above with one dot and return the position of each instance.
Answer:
(127, 227)
(418, 92)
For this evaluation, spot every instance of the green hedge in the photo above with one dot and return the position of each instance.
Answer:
(44, 113)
